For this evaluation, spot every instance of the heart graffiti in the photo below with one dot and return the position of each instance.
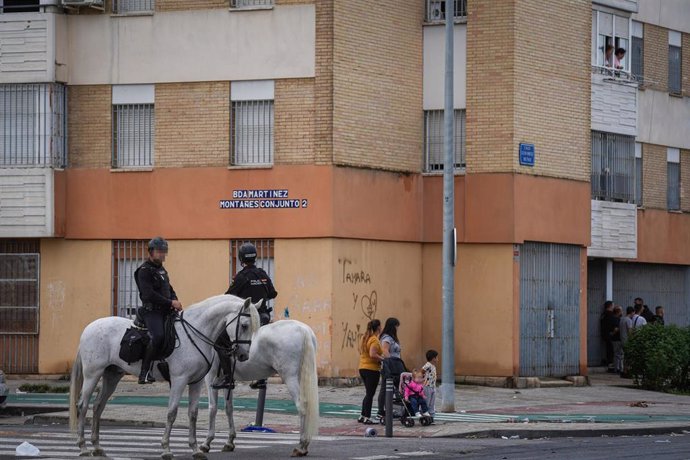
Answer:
(369, 304)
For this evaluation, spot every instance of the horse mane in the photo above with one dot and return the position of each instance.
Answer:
(208, 302)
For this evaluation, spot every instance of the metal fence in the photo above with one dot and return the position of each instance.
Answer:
(19, 305)
(613, 167)
(133, 132)
(264, 256)
(127, 256)
(133, 6)
(252, 132)
(433, 140)
(674, 66)
(436, 10)
(250, 3)
(33, 125)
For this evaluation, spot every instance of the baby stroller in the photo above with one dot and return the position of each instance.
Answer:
(402, 410)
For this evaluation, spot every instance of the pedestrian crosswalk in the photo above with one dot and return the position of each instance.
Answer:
(139, 442)
(442, 416)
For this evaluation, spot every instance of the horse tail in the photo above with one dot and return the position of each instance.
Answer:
(309, 390)
(76, 381)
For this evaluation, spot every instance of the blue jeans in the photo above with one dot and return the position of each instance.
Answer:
(417, 402)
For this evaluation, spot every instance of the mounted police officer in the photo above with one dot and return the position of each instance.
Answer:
(159, 300)
(251, 282)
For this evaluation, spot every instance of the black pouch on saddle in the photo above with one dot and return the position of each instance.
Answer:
(133, 344)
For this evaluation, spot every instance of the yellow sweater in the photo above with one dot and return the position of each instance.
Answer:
(365, 360)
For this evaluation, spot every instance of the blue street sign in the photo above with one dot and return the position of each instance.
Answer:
(527, 154)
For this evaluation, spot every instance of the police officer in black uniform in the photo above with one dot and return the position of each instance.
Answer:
(251, 282)
(159, 300)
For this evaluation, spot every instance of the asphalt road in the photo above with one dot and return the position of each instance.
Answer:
(55, 441)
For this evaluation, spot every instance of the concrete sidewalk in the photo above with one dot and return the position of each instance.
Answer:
(610, 406)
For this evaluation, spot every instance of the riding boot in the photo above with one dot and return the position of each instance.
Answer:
(145, 376)
(224, 379)
(258, 384)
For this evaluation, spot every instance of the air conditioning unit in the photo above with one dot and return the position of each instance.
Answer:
(92, 3)
(435, 12)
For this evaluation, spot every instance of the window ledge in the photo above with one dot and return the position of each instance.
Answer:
(675, 211)
(132, 169)
(457, 172)
(131, 14)
(252, 8)
(257, 166)
(460, 20)
(679, 95)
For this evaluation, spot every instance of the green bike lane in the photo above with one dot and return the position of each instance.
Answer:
(350, 411)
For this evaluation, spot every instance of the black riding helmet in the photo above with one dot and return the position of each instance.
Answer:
(247, 253)
(158, 243)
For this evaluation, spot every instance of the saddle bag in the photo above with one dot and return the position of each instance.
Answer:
(133, 345)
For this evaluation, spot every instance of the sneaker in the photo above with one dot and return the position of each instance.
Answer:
(418, 414)
(426, 414)
(368, 421)
(361, 419)
(146, 379)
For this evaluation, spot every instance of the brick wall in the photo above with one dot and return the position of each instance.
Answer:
(685, 180)
(490, 85)
(654, 176)
(294, 121)
(552, 89)
(323, 83)
(655, 57)
(192, 124)
(89, 127)
(178, 5)
(377, 84)
(520, 90)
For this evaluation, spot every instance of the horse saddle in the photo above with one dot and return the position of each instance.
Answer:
(136, 339)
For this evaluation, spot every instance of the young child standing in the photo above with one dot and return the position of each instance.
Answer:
(414, 393)
(430, 379)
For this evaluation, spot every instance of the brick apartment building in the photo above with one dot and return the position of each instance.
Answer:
(314, 129)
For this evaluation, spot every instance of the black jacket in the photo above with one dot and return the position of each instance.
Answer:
(252, 282)
(154, 286)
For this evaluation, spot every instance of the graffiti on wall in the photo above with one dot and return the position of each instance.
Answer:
(364, 301)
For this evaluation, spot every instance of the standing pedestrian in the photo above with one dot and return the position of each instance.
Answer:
(158, 301)
(429, 370)
(607, 323)
(370, 358)
(659, 317)
(393, 365)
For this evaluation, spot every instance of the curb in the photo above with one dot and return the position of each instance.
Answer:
(571, 433)
(53, 419)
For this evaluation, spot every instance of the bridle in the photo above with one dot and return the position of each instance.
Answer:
(234, 343)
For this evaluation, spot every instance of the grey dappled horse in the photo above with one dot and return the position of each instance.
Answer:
(288, 348)
(98, 357)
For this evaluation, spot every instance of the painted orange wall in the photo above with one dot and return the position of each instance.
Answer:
(75, 290)
(375, 280)
(485, 329)
(304, 280)
(663, 237)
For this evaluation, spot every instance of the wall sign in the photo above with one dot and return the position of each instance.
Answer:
(263, 199)
(527, 154)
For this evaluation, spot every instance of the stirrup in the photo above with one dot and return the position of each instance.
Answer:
(146, 379)
(224, 384)
(258, 385)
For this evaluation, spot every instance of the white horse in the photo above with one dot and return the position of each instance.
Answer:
(98, 356)
(287, 348)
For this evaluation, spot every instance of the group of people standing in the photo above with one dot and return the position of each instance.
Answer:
(380, 345)
(617, 327)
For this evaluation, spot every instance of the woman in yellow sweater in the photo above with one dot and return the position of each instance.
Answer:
(370, 358)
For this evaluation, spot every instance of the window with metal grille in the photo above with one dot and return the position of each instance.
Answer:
(433, 140)
(673, 179)
(613, 167)
(264, 257)
(638, 174)
(33, 125)
(127, 256)
(252, 132)
(19, 286)
(251, 3)
(674, 69)
(436, 10)
(637, 57)
(133, 6)
(133, 135)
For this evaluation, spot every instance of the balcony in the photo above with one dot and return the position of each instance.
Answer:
(614, 101)
(630, 6)
(614, 230)
(30, 52)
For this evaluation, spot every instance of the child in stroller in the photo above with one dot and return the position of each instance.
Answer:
(408, 397)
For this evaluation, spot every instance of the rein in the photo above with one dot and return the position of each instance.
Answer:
(208, 341)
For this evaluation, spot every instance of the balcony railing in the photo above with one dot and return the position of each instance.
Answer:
(436, 10)
(249, 4)
(33, 125)
(133, 6)
(613, 167)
